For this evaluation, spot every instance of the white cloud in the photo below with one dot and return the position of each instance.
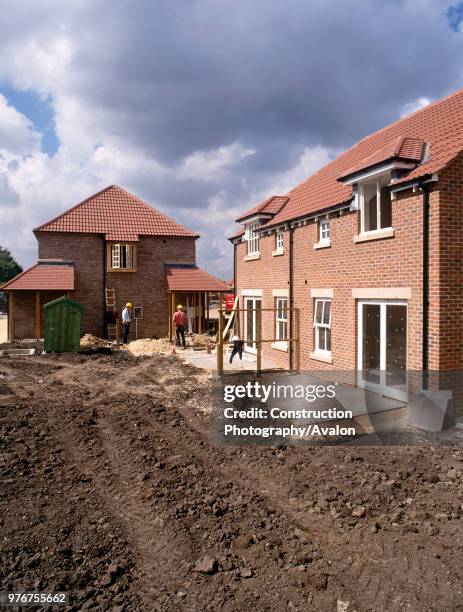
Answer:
(211, 166)
(411, 107)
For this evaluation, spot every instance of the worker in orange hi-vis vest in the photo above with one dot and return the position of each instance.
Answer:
(180, 321)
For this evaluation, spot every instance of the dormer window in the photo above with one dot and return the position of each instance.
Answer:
(252, 238)
(375, 205)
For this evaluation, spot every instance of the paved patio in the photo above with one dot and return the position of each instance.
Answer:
(201, 359)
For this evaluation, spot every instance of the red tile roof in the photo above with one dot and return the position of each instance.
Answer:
(440, 125)
(191, 278)
(269, 206)
(118, 215)
(43, 277)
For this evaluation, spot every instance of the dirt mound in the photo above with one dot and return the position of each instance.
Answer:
(150, 346)
(91, 341)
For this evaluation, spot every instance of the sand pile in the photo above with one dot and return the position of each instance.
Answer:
(199, 339)
(91, 341)
(149, 346)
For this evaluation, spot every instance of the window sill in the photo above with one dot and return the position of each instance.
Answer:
(252, 257)
(278, 252)
(387, 232)
(319, 356)
(281, 345)
(121, 270)
(324, 244)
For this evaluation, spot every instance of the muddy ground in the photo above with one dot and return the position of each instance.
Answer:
(113, 491)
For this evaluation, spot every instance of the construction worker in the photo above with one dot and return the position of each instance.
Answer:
(180, 321)
(126, 319)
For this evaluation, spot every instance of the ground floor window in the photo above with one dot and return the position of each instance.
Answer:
(322, 325)
(281, 319)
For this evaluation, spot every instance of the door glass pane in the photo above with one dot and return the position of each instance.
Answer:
(396, 345)
(371, 343)
(258, 319)
(249, 326)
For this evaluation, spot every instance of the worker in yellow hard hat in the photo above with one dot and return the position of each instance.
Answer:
(180, 321)
(126, 320)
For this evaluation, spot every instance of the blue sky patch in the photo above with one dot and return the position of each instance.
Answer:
(37, 110)
(455, 17)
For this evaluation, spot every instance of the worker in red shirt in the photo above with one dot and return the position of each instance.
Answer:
(179, 320)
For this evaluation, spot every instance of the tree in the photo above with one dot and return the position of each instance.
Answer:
(8, 269)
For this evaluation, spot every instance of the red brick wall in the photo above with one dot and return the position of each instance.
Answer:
(392, 262)
(267, 273)
(24, 311)
(146, 287)
(448, 320)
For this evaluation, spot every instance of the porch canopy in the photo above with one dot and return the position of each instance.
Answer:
(192, 285)
(47, 275)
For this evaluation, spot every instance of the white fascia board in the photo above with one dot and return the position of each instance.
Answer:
(360, 177)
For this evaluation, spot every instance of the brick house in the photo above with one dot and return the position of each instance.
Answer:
(370, 249)
(112, 241)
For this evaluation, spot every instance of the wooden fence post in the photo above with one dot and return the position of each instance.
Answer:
(219, 347)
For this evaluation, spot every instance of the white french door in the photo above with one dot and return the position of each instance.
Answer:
(252, 322)
(382, 347)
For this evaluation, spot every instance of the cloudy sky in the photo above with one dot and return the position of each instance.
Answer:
(202, 107)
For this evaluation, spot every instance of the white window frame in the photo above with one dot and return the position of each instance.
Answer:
(252, 238)
(115, 262)
(324, 231)
(279, 241)
(281, 316)
(361, 193)
(115, 254)
(318, 326)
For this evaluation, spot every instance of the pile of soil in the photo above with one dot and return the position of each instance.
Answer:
(150, 346)
(154, 346)
(114, 491)
(89, 341)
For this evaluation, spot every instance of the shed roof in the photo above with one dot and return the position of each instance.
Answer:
(192, 278)
(43, 276)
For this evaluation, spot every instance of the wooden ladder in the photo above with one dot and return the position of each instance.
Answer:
(112, 329)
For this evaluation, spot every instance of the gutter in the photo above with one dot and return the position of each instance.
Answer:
(291, 296)
(425, 328)
(103, 238)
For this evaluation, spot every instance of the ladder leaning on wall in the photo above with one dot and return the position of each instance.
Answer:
(112, 329)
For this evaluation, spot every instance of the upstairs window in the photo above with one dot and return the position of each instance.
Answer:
(322, 324)
(375, 205)
(324, 231)
(121, 256)
(252, 238)
(279, 241)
